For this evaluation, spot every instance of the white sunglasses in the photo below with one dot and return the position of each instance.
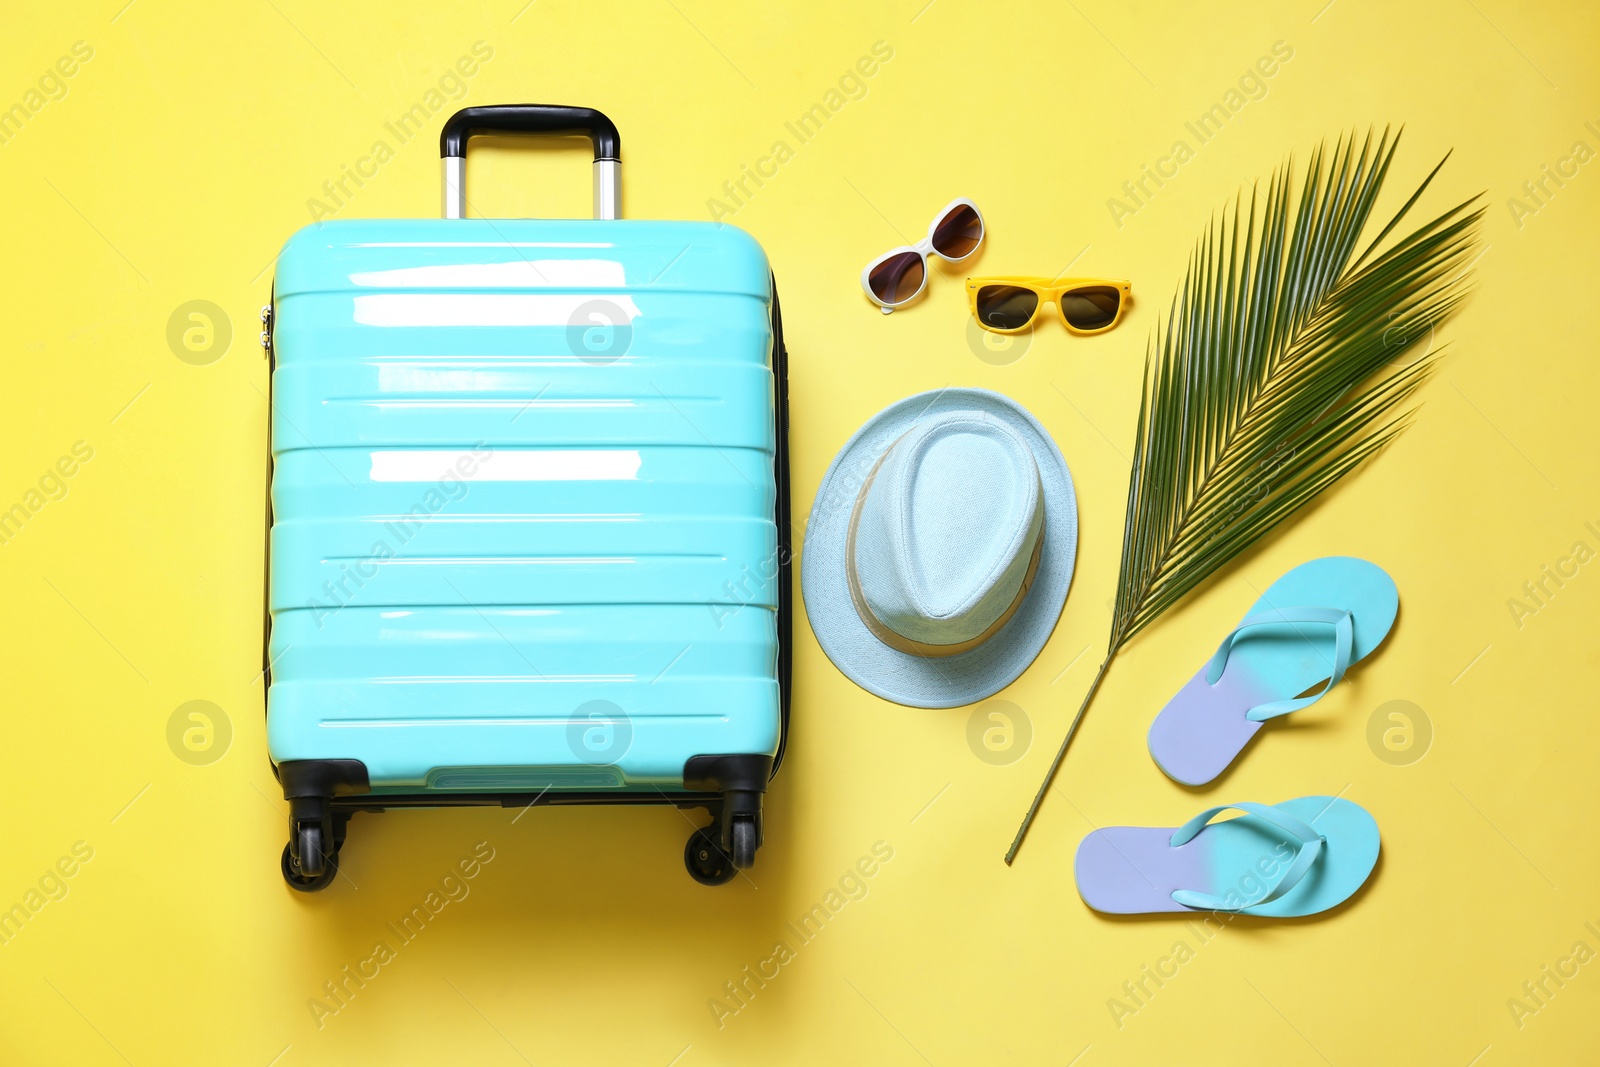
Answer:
(898, 276)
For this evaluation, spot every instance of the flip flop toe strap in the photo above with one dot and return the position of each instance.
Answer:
(1344, 640)
(1300, 833)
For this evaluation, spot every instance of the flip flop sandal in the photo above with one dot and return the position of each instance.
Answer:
(1310, 626)
(1300, 857)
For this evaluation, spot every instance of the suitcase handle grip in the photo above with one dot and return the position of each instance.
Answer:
(532, 118)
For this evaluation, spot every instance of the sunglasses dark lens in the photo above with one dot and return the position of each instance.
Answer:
(958, 233)
(1093, 307)
(1006, 307)
(896, 279)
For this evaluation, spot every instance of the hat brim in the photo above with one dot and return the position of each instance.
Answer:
(929, 681)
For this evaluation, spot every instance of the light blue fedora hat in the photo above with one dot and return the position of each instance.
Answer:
(940, 548)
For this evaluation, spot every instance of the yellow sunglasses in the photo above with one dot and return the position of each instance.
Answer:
(1010, 304)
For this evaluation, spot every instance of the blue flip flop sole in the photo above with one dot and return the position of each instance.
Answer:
(1134, 870)
(1205, 727)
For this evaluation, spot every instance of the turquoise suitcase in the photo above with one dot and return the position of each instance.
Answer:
(529, 515)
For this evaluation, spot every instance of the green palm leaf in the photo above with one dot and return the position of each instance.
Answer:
(1283, 365)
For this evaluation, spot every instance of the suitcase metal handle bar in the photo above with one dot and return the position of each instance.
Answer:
(533, 118)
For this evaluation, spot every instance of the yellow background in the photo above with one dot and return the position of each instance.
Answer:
(185, 152)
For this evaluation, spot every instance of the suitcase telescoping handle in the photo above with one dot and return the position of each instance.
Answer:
(533, 118)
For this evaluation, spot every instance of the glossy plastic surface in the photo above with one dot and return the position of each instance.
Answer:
(1049, 290)
(523, 501)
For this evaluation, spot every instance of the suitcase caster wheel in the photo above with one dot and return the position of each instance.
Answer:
(706, 861)
(745, 839)
(311, 869)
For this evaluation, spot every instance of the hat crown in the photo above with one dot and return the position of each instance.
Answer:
(946, 528)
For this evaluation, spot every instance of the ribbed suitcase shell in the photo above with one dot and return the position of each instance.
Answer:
(512, 549)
